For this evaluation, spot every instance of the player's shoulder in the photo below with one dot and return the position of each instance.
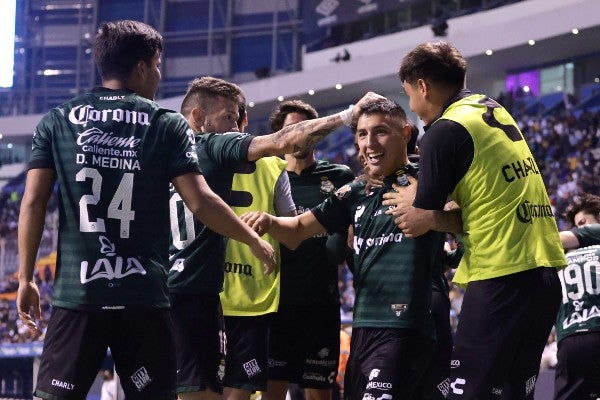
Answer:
(326, 166)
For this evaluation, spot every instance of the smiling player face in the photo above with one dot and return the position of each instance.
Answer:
(381, 141)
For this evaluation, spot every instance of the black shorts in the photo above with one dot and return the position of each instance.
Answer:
(141, 343)
(308, 357)
(199, 341)
(503, 327)
(435, 383)
(246, 364)
(386, 364)
(578, 368)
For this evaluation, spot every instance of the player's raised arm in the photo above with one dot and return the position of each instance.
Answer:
(304, 134)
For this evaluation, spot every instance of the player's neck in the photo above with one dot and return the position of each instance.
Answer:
(297, 165)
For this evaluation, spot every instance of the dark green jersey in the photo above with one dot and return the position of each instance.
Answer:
(307, 276)
(197, 254)
(392, 274)
(580, 280)
(114, 154)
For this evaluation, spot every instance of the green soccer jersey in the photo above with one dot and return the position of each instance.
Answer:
(197, 254)
(580, 280)
(307, 276)
(392, 274)
(114, 154)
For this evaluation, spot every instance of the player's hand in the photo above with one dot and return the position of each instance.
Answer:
(373, 180)
(413, 221)
(28, 302)
(370, 96)
(260, 222)
(264, 251)
(401, 197)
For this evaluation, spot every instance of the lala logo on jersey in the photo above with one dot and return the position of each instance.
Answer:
(110, 268)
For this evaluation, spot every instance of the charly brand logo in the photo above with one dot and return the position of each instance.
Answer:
(374, 373)
(455, 386)
(110, 268)
(526, 212)
(81, 115)
(141, 378)
(63, 384)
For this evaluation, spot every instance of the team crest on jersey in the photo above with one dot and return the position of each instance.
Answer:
(343, 192)
(399, 308)
(402, 178)
(327, 186)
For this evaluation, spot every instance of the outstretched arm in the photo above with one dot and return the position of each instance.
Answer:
(303, 134)
(289, 231)
(216, 215)
(569, 240)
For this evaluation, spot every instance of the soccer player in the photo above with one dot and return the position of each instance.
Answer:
(435, 383)
(114, 152)
(473, 152)
(578, 322)
(393, 334)
(211, 106)
(309, 279)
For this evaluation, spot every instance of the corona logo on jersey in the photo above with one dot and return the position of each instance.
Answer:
(109, 267)
(526, 212)
(238, 268)
(81, 115)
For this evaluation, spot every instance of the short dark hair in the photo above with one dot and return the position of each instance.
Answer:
(120, 45)
(381, 106)
(411, 146)
(588, 203)
(437, 62)
(208, 88)
(287, 107)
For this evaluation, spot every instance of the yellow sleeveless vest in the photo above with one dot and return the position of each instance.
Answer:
(247, 291)
(508, 222)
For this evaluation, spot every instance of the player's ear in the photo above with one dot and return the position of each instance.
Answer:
(198, 117)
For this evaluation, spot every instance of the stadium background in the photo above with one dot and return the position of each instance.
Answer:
(540, 58)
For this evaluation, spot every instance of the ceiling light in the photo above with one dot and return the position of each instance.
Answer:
(280, 98)
(526, 89)
(575, 31)
(311, 92)
(489, 52)
(338, 86)
(531, 42)
(251, 104)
